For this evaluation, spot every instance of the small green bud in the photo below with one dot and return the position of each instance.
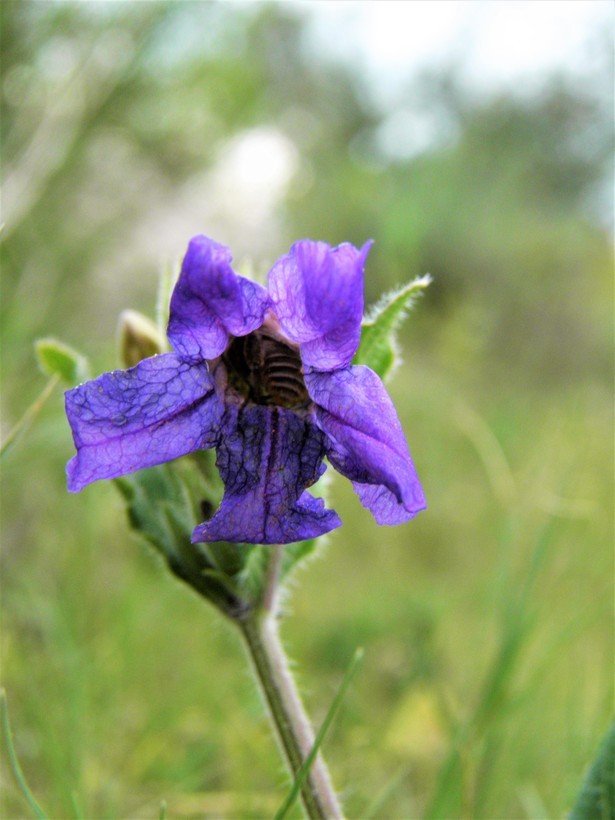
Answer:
(138, 338)
(58, 359)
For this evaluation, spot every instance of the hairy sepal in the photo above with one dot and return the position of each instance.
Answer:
(378, 346)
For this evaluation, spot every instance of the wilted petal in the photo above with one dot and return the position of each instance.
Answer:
(211, 301)
(267, 456)
(366, 442)
(317, 294)
(129, 419)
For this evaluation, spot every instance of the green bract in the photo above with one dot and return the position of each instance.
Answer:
(378, 348)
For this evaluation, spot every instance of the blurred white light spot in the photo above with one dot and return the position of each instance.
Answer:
(254, 171)
(493, 44)
(234, 202)
(59, 59)
(406, 133)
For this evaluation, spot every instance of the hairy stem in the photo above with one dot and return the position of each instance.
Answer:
(293, 729)
(270, 593)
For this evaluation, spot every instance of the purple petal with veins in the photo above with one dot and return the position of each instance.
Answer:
(211, 302)
(272, 403)
(317, 294)
(130, 419)
(267, 457)
(365, 441)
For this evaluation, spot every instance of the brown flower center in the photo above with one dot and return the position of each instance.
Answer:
(265, 369)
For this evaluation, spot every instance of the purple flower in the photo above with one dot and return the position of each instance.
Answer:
(263, 375)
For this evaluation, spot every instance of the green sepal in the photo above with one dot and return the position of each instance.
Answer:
(58, 359)
(596, 800)
(378, 348)
(165, 503)
(257, 558)
(223, 581)
(150, 496)
(163, 506)
(253, 576)
(294, 554)
(228, 557)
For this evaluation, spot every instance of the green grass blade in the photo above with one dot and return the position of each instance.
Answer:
(304, 771)
(77, 807)
(14, 763)
(163, 810)
(448, 797)
(28, 417)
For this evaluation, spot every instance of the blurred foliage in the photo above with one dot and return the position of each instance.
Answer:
(128, 127)
(597, 797)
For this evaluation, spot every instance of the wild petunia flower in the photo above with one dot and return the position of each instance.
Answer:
(264, 376)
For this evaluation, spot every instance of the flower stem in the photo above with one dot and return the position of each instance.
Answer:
(24, 422)
(269, 599)
(294, 732)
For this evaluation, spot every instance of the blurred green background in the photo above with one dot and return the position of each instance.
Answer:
(486, 622)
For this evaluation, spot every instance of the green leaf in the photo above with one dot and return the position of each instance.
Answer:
(597, 798)
(57, 359)
(378, 348)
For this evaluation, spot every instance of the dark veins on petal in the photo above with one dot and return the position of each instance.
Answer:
(266, 457)
(127, 420)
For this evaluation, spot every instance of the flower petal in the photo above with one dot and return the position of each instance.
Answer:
(129, 419)
(366, 442)
(267, 456)
(317, 294)
(211, 301)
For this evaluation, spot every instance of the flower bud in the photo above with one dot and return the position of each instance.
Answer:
(138, 338)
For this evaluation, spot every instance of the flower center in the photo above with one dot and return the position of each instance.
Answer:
(264, 369)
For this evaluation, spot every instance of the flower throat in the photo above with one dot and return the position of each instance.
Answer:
(265, 370)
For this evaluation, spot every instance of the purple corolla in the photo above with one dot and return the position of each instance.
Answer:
(264, 376)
